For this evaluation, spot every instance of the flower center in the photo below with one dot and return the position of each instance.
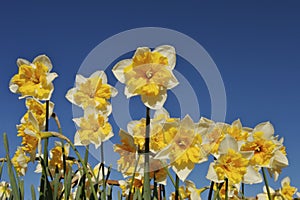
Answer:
(149, 74)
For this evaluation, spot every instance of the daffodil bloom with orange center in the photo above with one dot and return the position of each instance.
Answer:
(148, 74)
(92, 92)
(20, 161)
(34, 79)
(185, 150)
(262, 144)
(92, 128)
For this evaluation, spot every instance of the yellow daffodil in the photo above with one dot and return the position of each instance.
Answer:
(56, 157)
(32, 136)
(136, 185)
(232, 164)
(128, 153)
(97, 172)
(286, 190)
(185, 150)
(279, 160)
(20, 161)
(149, 74)
(92, 92)
(262, 144)
(92, 128)
(34, 79)
(184, 193)
(38, 110)
(5, 190)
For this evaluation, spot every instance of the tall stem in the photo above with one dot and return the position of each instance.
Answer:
(266, 183)
(46, 129)
(226, 188)
(211, 190)
(177, 188)
(147, 191)
(103, 173)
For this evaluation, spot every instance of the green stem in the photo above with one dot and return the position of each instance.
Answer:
(243, 190)
(266, 183)
(147, 190)
(211, 190)
(85, 169)
(133, 176)
(226, 188)
(216, 194)
(177, 188)
(103, 172)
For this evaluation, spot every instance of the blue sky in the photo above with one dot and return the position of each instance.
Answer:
(255, 45)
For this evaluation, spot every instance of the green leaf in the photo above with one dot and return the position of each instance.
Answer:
(10, 167)
(56, 184)
(1, 167)
(33, 195)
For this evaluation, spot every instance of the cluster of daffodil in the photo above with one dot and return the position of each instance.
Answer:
(150, 147)
(33, 82)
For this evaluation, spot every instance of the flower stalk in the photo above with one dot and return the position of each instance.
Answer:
(266, 183)
(147, 190)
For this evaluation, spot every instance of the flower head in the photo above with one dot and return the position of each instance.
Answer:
(38, 110)
(20, 161)
(34, 79)
(93, 128)
(262, 144)
(92, 92)
(185, 150)
(5, 190)
(149, 74)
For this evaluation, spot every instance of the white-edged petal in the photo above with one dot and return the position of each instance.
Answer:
(265, 127)
(182, 174)
(252, 176)
(118, 69)
(77, 141)
(51, 76)
(141, 51)
(228, 143)
(45, 60)
(22, 61)
(79, 80)
(13, 87)
(101, 75)
(212, 175)
(169, 52)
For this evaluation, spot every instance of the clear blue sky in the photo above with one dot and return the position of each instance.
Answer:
(255, 45)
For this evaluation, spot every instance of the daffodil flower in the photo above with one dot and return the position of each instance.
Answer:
(149, 74)
(38, 110)
(128, 153)
(92, 92)
(32, 136)
(285, 192)
(20, 161)
(92, 128)
(34, 79)
(232, 164)
(278, 161)
(185, 150)
(5, 190)
(262, 143)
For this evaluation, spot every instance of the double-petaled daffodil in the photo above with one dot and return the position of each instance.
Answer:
(34, 79)
(32, 136)
(20, 161)
(285, 192)
(162, 131)
(149, 74)
(4, 190)
(232, 164)
(92, 128)
(38, 110)
(262, 143)
(128, 154)
(279, 160)
(92, 92)
(185, 150)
